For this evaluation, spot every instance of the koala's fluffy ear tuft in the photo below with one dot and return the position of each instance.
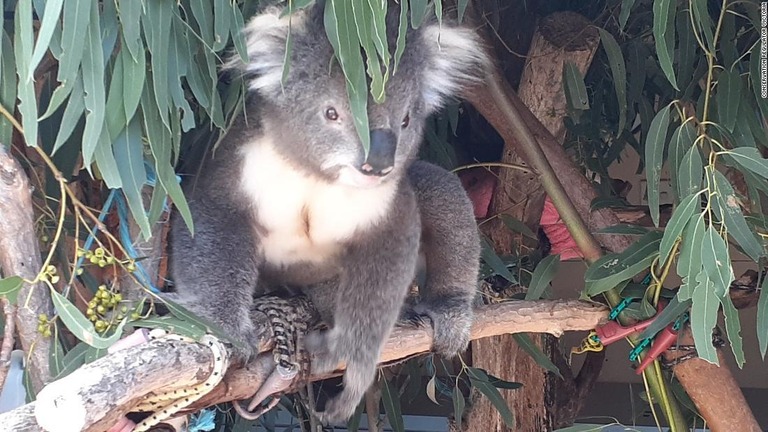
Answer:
(265, 38)
(457, 59)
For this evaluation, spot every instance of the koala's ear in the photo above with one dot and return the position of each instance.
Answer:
(265, 38)
(457, 59)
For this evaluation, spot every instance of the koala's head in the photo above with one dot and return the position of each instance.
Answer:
(309, 112)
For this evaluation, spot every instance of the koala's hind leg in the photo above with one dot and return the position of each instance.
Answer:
(216, 271)
(377, 269)
(451, 248)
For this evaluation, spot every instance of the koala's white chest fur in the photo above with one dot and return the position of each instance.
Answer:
(302, 218)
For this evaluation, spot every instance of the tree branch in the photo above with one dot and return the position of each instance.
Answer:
(96, 395)
(20, 256)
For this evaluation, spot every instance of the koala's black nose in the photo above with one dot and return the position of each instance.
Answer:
(381, 155)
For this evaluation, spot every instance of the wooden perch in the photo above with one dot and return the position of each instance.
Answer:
(20, 256)
(93, 397)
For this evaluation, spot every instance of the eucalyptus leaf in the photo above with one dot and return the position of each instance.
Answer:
(458, 407)
(727, 208)
(517, 225)
(93, 84)
(682, 140)
(526, 343)
(654, 157)
(490, 257)
(22, 47)
(762, 317)
(80, 326)
(626, 8)
(44, 34)
(664, 36)
(733, 329)
(619, 72)
(728, 97)
(690, 172)
(667, 316)
(391, 399)
(704, 317)
(543, 274)
(575, 89)
(479, 379)
(9, 288)
(612, 269)
(680, 218)
(716, 261)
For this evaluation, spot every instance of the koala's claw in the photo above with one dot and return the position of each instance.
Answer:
(451, 328)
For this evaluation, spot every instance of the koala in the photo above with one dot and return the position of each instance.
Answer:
(291, 198)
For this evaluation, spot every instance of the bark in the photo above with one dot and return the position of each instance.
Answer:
(20, 256)
(561, 38)
(96, 395)
(713, 389)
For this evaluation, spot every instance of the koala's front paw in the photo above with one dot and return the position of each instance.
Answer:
(451, 326)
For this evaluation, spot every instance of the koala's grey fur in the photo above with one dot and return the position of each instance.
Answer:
(288, 200)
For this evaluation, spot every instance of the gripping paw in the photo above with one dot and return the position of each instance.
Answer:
(451, 326)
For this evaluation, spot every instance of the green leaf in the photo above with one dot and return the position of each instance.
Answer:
(172, 324)
(72, 114)
(402, 31)
(74, 38)
(105, 160)
(703, 22)
(716, 261)
(575, 89)
(7, 85)
(542, 276)
(669, 314)
(690, 172)
(339, 27)
(733, 328)
(22, 46)
(462, 6)
(681, 143)
(157, 29)
(612, 269)
(727, 209)
(237, 33)
(431, 389)
(371, 32)
(9, 288)
(654, 157)
(391, 400)
(619, 72)
(490, 257)
(93, 84)
(762, 317)
(130, 164)
(130, 12)
(680, 218)
(728, 97)
(353, 425)
(688, 49)
(626, 8)
(44, 34)
(458, 407)
(222, 15)
(418, 12)
(134, 76)
(751, 159)
(79, 325)
(517, 225)
(543, 360)
(72, 360)
(664, 36)
(623, 229)
(689, 261)
(704, 317)
(479, 379)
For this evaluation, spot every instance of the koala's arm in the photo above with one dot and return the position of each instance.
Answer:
(215, 272)
(451, 246)
(377, 270)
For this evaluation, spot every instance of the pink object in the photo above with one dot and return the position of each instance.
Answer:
(138, 337)
(479, 184)
(559, 237)
(123, 425)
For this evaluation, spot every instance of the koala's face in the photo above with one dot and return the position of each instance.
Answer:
(309, 112)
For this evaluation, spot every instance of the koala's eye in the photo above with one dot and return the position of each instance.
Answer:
(331, 114)
(406, 121)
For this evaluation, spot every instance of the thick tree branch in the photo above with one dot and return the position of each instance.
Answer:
(96, 395)
(20, 256)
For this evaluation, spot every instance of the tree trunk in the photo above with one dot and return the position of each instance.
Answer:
(561, 37)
